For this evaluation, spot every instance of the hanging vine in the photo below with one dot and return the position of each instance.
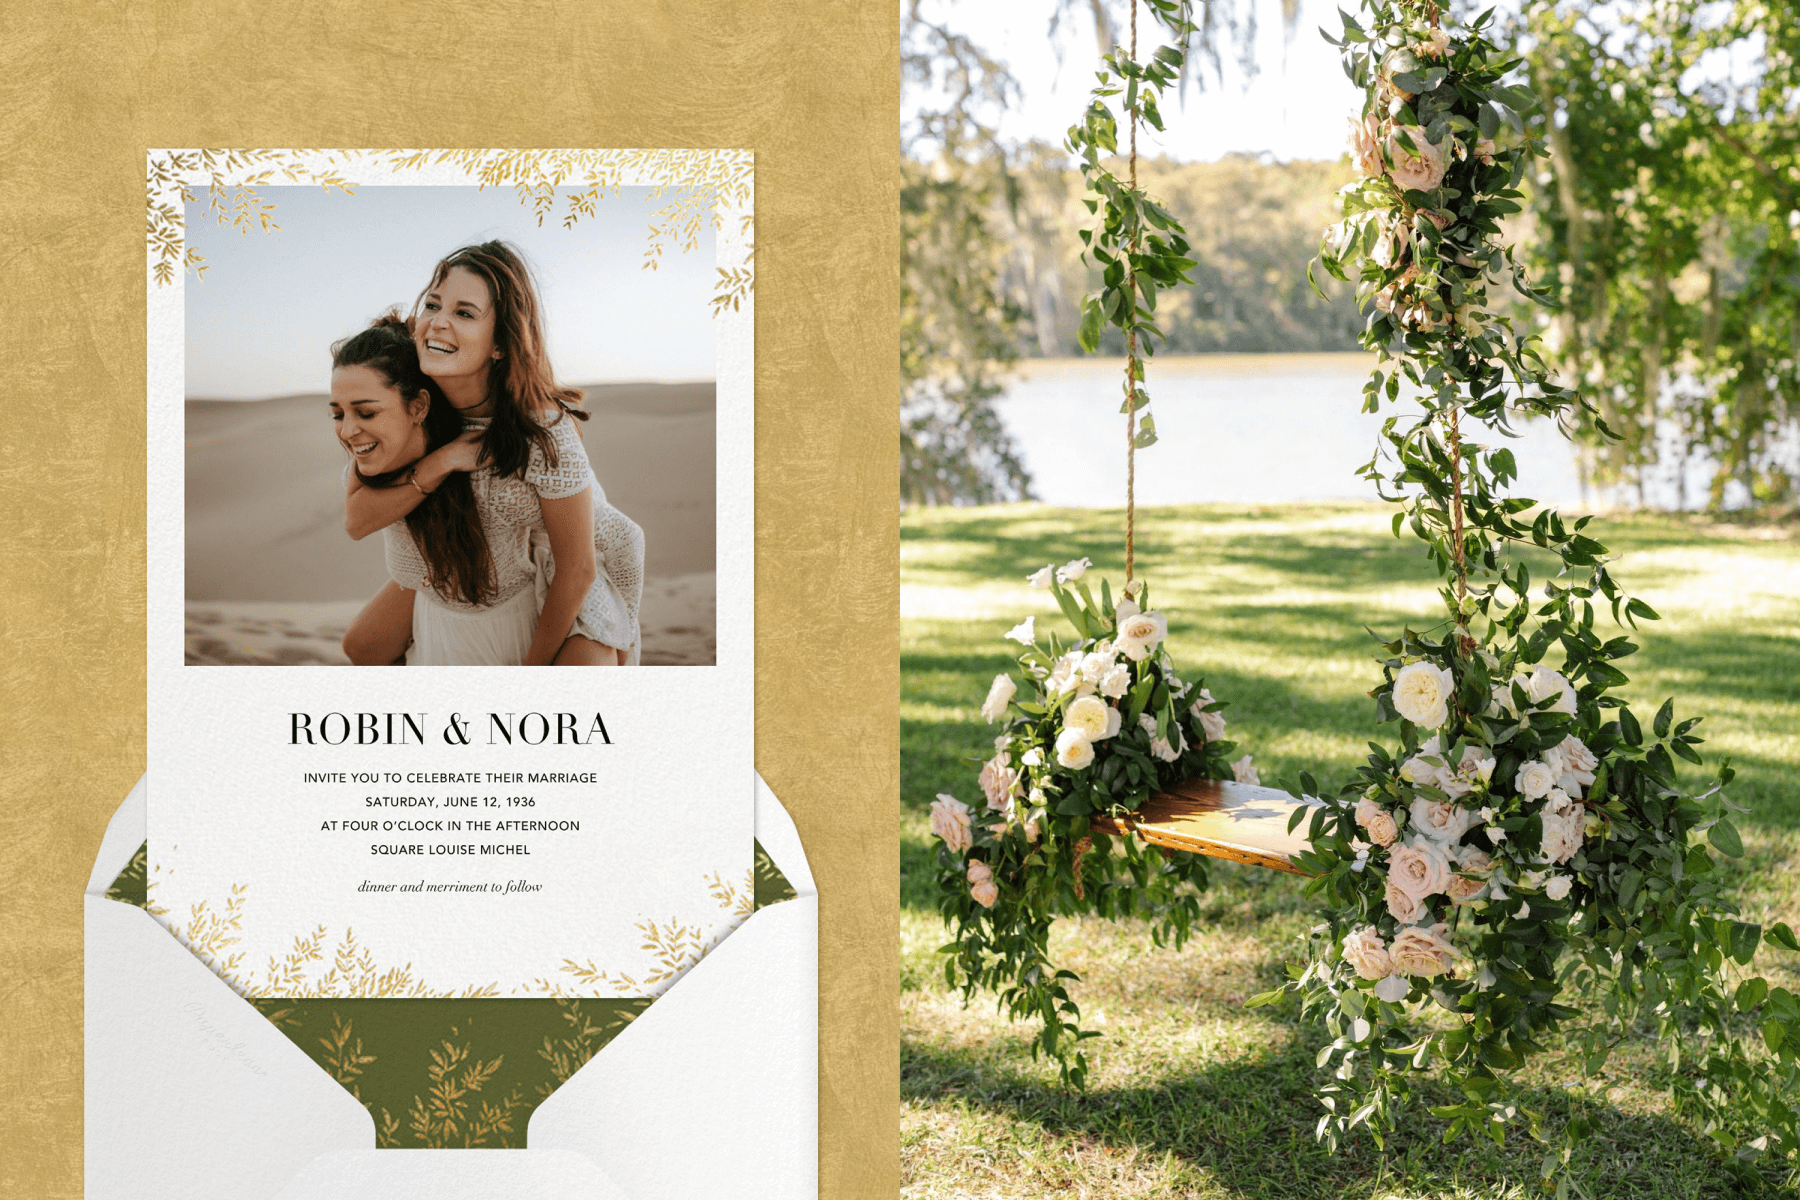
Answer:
(1518, 871)
(1104, 721)
(1138, 244)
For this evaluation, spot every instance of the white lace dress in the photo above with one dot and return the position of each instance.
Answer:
(450, 632)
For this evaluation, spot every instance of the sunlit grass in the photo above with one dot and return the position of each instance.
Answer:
(1192, 1095)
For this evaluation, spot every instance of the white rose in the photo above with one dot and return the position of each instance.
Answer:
(1065, 676)
(1074, 750)
(1041, 577)
(1535, 779)
(981, 884)
(1115, 682)
(1422, 950)
(999, 783)
(1125, 608)
(1087, 714)
(1033, 757)
(1244, 771)
(1024, 632)
(1441, 821)
(1390, 246)
(1415, 172)
(1367, 953)
(1365, 145)
(1115, 720)
(1545, 683)
(1140, 633)
(1405, 907)
(1422, 694)
(1097, 662)
(1419, 867)
(1160, 746)
(950, 821)
(1436, 44)
(1562, 832)
(1426, 767)
(1075, 569)
(1573, 763)
(1212, 724)
(1557, 887)
(999, 695)
(1393, 989)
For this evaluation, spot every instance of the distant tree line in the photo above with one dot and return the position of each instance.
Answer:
(1666, 223)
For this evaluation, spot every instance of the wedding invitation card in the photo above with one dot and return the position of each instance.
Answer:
(416, 420)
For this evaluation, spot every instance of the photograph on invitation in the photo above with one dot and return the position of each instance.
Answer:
(471, 411)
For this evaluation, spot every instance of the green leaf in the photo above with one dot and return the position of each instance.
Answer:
(1744, 939)
(1664, 715)
(1779, 934)
(1071, 610)
(1092, 319)
(1724, 836)
(1751, 993)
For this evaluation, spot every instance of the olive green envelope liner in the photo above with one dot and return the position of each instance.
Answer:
(708, 1090)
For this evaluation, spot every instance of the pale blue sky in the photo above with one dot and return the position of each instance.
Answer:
(1296, 106)
(262, 321)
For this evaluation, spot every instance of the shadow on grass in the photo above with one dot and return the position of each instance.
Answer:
(1248, 1124)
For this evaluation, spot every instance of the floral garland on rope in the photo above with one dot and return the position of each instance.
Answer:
(1107, 721)
(1524, 866)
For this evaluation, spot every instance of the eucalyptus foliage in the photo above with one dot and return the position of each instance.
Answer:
(1103, 722)
(1138, 245)
(1518, 870)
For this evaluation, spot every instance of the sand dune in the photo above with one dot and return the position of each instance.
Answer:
(273, 579)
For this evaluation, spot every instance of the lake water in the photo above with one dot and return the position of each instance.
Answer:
(1260, 428)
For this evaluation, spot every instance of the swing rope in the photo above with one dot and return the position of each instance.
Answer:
(1131, 372)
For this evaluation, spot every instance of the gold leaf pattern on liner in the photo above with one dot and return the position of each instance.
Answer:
(674, 948)
(452, 1110)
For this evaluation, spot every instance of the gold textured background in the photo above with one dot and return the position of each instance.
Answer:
(812, 86)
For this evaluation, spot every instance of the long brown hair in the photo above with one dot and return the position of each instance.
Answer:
(523, 390)
(446, 526)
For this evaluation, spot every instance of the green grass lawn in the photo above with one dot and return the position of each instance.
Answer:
(1191, 1095)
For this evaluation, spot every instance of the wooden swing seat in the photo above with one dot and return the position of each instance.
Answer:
(1236, 821)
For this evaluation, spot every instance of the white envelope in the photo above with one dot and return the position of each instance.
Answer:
(712, 1092)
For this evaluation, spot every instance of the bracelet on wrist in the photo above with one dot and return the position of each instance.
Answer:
(413, 478)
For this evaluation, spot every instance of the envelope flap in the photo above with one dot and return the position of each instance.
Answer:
(776, 833)
(188, 1087)
(714, 1090)
(124, 834)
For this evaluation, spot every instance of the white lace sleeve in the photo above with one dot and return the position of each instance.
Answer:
(570, 474)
